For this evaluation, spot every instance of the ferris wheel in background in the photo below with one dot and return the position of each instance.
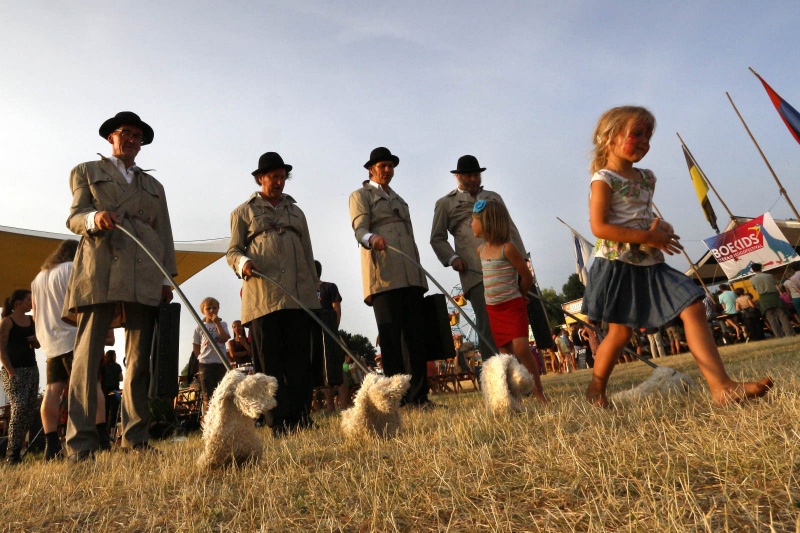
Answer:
(458, 325)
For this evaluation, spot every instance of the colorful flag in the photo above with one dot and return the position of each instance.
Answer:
(583, 254)
(758, 241)
(789, 114)
(701, 188)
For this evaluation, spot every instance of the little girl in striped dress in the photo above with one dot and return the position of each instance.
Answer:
(506, 282)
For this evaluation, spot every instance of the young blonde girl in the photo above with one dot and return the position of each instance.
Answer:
(630, 285)
(506, 281)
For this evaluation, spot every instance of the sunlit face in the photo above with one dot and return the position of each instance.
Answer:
(238, 329)
(633, 143)
(210, 311)
(272, 183)
(382, 172)
(470, 182)
(126, 141)
(477, 227)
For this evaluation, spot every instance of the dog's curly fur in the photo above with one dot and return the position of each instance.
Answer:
(376, 408)
(229, 431)
(663, 380)
(504, 382)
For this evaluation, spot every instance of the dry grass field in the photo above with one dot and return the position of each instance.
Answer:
(667, 464)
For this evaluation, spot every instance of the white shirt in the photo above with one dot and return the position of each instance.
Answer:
(207, 354)
(49, 287)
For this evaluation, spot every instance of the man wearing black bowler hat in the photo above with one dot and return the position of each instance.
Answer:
(453, 214)
(393, 286)
(269, 234)
(113, 275)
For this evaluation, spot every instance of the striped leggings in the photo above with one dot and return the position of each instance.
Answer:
(21, 390)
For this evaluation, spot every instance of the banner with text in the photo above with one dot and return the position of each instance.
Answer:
(757, 241)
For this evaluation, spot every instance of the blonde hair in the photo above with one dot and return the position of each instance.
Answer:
(208, 301)
(610, 125)
(496, 222)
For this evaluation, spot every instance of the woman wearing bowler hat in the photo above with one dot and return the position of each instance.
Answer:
(269, 234)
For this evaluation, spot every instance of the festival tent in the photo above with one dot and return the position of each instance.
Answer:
(23, 251)
(710, 271)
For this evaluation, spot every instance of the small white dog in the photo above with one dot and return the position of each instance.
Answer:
(376, 408)
(663, 380)
(504, 382)
(229, 430)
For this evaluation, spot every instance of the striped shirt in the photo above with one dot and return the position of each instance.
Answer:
(499, 280)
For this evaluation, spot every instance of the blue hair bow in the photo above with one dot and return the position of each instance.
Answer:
(480, 205)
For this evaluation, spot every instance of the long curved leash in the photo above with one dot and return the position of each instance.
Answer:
(313, 315)
(446, 294)
(182, 296)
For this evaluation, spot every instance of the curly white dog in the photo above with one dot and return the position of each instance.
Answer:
(229, 430)
(504, 382)
(376, 408)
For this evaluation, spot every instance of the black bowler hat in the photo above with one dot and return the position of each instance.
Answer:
(270, 161)
(468, 164)
(381, 154)
(127, 118)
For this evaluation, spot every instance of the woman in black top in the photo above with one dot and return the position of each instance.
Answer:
(20, 374)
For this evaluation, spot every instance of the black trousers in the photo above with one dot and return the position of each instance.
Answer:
(399, 313)
(282, 345)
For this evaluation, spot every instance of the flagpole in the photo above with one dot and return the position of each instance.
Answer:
(582, 273)
(694, 268)
(705, 177)
(780, 185)
(573, 230)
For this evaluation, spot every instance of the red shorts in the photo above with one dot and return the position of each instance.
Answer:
(508, 320)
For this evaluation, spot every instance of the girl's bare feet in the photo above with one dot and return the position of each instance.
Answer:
(740, 392)
(596, 395)
(542, 398)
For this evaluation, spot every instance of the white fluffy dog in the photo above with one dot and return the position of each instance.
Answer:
(663, 380)
(229, 430)
(376, 408)
(504, 382)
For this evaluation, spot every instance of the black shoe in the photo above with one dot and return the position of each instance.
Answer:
(14, 458)
(142, 447)
(81, 456)
(52, 450)
(425, 405)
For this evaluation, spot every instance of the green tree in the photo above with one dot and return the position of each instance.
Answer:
(359, 344)
(554, 300)
(573, 289)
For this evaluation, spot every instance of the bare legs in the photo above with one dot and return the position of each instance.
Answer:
(519, 347)
(701, 344)
(50, 406)
(605, 359)
(706, 355)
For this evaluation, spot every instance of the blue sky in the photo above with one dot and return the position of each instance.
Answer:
(518, 84)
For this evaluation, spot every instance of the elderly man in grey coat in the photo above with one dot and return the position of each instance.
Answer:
(393, 286)
(113, 277)
(453, 215)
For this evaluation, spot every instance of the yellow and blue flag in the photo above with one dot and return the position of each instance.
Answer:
(701, 188)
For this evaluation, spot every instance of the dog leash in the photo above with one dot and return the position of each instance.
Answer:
(182, 296)
(313, 315)
(450, 298)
